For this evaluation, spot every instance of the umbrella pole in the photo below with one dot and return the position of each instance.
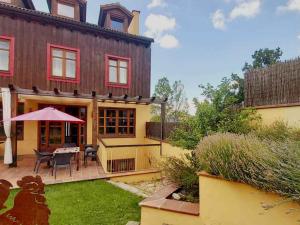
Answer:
(14, 111)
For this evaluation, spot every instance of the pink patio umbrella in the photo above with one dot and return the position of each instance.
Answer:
(47, 114)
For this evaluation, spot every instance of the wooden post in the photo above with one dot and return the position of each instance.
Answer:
(14, 139)
(162, 122)
(94, 122)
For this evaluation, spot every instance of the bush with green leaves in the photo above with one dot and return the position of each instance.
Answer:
(263, 163)
(220, 112)
(183, 172)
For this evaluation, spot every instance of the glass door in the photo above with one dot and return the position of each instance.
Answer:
(53, 135)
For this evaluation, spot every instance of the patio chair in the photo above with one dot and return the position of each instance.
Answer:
(62, 160)
(41, 157)
(91, 152)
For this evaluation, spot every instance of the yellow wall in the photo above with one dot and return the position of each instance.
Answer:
(134, 27)
(143, 115)
(150, 216)
(291, 115)
(146, 157)
(31, 103)
(137, 177)
(229, 203)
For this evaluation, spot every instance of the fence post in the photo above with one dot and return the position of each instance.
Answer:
(162, 122)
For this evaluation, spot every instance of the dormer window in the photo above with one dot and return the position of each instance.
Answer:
(72, 9)
(115, 16)
(117, 24)
(65, 10)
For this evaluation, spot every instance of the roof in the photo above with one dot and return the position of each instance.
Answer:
(107, 7)
(29, 4)
(48, 18)
(82, 6)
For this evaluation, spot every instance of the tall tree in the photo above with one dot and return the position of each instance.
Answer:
(263, 58)
(177, 104)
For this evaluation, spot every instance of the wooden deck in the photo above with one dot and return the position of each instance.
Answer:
(26, 165)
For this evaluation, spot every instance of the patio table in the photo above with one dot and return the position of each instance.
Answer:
(74, 150)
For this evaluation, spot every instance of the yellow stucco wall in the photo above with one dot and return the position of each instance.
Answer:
(150, 216)
(30, 141)
(137, 177)
(291, 115)
(229, 203)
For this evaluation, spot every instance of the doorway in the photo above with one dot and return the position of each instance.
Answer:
(52, 135)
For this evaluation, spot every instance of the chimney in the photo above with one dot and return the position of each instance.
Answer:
(134, 27)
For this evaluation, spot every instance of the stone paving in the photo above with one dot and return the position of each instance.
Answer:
(26, 165)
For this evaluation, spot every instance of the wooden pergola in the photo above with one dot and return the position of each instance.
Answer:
(93, 96)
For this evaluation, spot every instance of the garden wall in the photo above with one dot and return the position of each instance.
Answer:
(231, 203)
(287, 114)
(225, 203)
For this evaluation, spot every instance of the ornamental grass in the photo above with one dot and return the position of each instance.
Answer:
(266, 164)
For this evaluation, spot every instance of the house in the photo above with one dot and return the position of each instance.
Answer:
(274, 92)
(98, 73)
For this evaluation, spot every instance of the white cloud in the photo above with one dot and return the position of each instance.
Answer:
(168, 41)
(248, 9)
(157, 26)
(242, 8)
(218, 20)
(298, 36)
(157, 3)
(292, 5)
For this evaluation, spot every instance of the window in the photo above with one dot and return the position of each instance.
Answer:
(20, 124)
(118, 71)
(65, 10)
(6, 56)
(117, 24)
(116, 122)
(63, 64)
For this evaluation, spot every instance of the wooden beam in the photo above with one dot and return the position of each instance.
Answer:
(94, 123)
(14, 111)
(109, 97)
(162, 122)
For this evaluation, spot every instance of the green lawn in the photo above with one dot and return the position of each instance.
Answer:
(90, 203)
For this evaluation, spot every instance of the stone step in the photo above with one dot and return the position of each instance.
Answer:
(133, 223)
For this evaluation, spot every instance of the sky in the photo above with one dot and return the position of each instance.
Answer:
(202, 41)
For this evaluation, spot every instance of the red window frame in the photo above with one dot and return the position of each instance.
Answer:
(117, 85)
(49, 64)
(10, 72)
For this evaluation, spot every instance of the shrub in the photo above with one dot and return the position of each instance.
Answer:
(183, 172)
(278, 131)
(263, 163)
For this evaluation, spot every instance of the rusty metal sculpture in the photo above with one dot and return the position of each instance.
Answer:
(30, 206)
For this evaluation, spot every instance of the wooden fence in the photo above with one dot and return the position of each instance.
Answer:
(277, 85)
(153, 130)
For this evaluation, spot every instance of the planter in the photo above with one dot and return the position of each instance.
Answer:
(232, 203)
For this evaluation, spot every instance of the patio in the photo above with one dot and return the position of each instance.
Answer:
(26, 165)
